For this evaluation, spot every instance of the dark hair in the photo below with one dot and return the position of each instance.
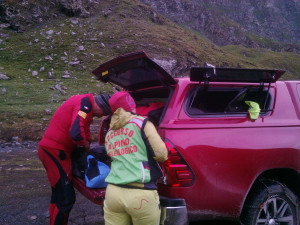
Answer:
(102, 102)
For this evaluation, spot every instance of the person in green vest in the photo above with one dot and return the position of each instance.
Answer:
(135, 148)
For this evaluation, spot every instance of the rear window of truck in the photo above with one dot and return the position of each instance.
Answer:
(225, 101)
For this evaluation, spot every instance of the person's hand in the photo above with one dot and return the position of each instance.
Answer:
(87, 146)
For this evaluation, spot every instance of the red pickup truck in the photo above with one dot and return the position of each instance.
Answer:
(222, 163)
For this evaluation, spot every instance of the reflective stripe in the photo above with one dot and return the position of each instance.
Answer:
(82, 114)
(137, 121)
(143, 170)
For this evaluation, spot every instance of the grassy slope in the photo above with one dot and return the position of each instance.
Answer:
(269, 59)
(127, 28)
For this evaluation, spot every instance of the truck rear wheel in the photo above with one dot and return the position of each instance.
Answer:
(272, 203)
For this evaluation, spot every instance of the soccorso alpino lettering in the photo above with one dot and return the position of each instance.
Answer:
(120, 147)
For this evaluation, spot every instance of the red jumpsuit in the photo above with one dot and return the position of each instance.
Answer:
(68, 128)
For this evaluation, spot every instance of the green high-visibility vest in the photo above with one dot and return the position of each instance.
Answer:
(128, 152)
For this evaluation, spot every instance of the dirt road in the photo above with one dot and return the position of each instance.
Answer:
(25, 191)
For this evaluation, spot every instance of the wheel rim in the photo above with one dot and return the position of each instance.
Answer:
(275, 211)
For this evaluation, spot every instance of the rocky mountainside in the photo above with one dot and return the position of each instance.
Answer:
(208, 25)
(113, 26)
(273, 24)
(48, 49)
(19, 15)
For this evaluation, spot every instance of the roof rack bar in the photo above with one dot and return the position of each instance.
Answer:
(214, 74)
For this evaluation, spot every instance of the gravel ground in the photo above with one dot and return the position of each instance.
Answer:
(25, 191)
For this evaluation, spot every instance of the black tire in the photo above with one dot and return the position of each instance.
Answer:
(271, 203)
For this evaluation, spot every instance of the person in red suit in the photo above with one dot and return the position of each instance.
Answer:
(68, 129)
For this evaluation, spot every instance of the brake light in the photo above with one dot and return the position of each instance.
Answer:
(177, 171)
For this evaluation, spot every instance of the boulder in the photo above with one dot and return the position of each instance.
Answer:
(74, 8)
(168, 65)
(4, 76)
(47, 112)
(50, 75)
(66, 75)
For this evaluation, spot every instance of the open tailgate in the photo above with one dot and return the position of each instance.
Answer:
(133, 71)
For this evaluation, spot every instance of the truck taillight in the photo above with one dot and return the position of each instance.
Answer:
(177, 171)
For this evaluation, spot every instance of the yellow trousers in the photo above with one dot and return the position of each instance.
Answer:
(123, 205)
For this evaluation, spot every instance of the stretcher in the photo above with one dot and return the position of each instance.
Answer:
(96, 195)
